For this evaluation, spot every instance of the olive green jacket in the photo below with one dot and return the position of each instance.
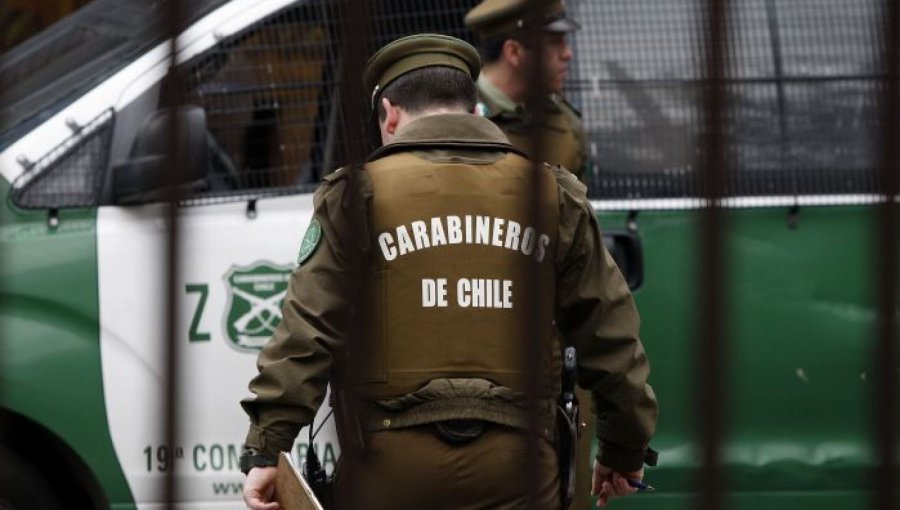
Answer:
(564, 141)
(595, 311)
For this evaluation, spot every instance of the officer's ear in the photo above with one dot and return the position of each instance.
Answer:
(513, 51)
(391, 120)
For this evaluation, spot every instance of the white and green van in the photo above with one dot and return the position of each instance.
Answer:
(83, 265)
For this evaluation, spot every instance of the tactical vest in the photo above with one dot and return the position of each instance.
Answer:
(457, 251)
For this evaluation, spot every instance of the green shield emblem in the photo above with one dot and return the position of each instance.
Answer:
(255, 295)
(310, 240)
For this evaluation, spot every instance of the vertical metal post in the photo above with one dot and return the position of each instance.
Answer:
(711, 269)
(173, 19)
(534, 104)
(354, 33)
(886, 274)
(3, 294)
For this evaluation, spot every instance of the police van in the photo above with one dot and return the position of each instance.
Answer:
(84, 234)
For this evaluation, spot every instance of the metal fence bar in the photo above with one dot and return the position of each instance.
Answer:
(173, 19)
(3, 292)
(886, 392)
(536, 94)
(355, 30)
(711, 307)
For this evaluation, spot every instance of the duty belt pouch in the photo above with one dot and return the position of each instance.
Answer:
(568, 432)
(568, 428)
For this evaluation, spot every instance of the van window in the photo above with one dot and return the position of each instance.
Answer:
(800, 116)
(271, 93)
(801, 85)
(70, 175)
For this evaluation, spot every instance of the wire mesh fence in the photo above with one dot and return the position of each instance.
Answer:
(801, 95)
(800, 83)
(802, 80)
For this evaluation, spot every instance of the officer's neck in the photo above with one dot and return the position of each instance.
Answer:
(514, 82)
(501, 75)
(391, 127)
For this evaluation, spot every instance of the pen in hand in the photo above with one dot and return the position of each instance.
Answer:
(640, 485)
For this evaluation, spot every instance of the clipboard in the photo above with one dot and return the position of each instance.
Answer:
(291, 490)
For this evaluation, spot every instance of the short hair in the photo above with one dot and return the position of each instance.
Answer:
(491, 48)
(429, 87)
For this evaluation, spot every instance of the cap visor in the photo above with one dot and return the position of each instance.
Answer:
(564, 24)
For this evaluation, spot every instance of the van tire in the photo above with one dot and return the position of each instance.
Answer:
(24, 487)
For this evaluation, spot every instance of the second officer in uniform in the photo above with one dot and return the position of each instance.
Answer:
(451, 243)
(508, 50)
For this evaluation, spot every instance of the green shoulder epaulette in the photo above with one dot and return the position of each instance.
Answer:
(569, 105)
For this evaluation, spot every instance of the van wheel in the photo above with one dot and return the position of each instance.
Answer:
(22, 486)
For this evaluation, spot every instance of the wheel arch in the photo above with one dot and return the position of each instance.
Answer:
(56, 460)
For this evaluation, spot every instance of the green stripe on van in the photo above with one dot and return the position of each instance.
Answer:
(49, 315)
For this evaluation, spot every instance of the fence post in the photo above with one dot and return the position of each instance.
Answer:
(711, 309)
(886, 274)
(173, 18)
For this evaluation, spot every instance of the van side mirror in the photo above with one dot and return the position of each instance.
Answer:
(625, 248)
(143, 176)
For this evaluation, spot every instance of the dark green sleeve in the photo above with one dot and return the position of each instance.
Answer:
(294, 365)
(596, 313)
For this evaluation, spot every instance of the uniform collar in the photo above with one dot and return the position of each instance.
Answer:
(456, 127)
(459, 130)
(495, 100)
(494, 103)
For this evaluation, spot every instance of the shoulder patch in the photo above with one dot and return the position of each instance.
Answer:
(310, 241)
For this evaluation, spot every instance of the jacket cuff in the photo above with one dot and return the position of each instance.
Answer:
(623, 460)
(267, 442)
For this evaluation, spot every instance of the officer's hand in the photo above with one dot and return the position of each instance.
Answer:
(259, 487)
(608, 484)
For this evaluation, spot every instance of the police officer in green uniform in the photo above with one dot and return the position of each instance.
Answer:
(451, 244)
(503, 86)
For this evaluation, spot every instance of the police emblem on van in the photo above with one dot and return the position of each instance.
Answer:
(255, 294)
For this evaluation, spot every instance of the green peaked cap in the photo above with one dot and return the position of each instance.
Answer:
(415, 52)
(493, 18)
